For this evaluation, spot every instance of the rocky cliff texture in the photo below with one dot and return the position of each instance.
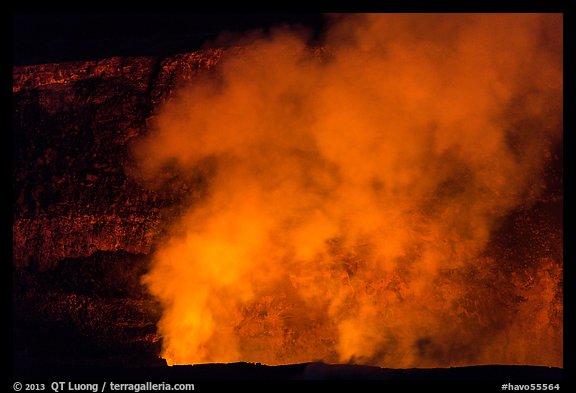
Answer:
(82, 228)
(72, 125)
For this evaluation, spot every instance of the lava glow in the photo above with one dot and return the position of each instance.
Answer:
(343, 201)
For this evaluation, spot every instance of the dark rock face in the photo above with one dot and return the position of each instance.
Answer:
(266, 375)
(81, 227)
(72, 126)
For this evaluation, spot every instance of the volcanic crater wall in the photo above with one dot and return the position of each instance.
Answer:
(72, 124)
(83, 229)
(81, 226)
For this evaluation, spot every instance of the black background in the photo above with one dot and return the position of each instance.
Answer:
(55, 34)
(56, 37)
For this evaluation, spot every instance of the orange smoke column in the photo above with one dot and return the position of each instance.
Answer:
(345, 201)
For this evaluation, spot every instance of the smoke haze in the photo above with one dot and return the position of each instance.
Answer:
(351, 192)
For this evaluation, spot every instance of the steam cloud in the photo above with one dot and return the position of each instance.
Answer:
(351, 193)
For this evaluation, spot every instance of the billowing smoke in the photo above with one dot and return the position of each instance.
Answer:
(346, 195)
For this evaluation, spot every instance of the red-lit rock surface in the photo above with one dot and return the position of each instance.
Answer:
(72, 125)
(82, 228)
